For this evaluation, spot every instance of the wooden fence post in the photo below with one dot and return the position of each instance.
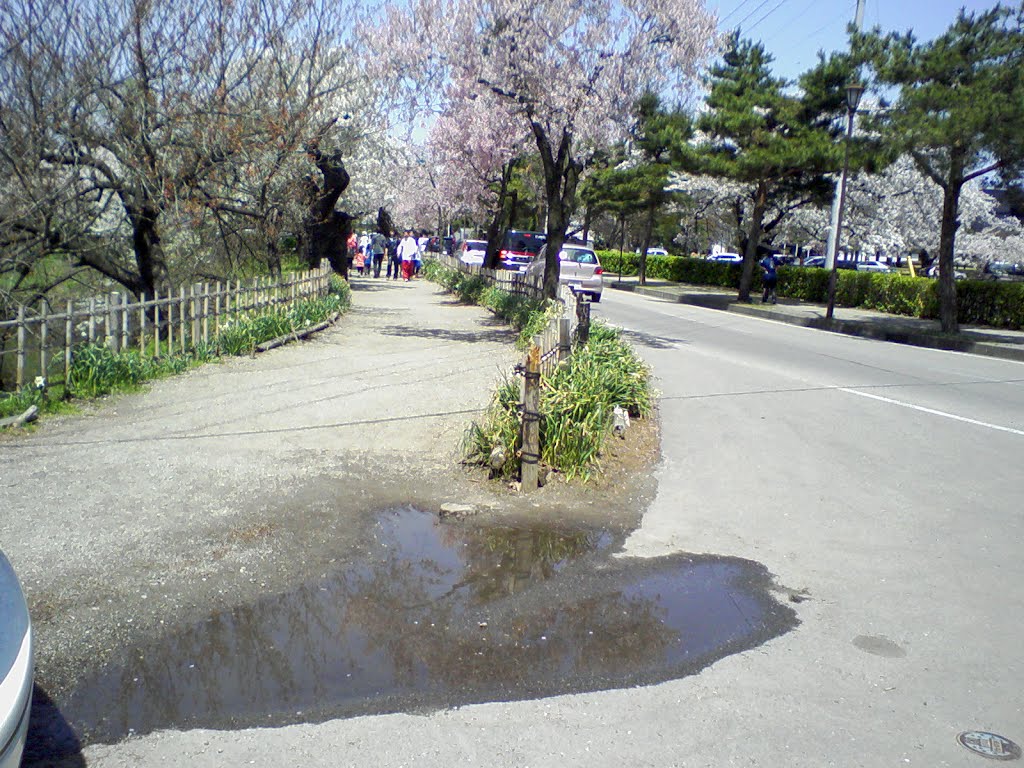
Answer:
(194, 309)
(125, 321)
(216, 309)
(19, 376)
(44, 311)
(531, 421)
(142, 323)
(206, 313)
(583, 316)
(182, 317)
(69, 330)
(170, 322)
(113, 339)
(564, 338)
(156, 321)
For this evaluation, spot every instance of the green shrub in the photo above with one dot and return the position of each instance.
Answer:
(500, 425)
(577, 403)
(990, 303)
(996, 304)
(803, 283)
(577, 400)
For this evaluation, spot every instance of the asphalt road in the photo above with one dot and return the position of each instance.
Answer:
(879, 483)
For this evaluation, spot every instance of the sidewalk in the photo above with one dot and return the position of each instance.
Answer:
(978, 340)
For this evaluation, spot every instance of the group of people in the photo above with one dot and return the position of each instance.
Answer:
(368, 252)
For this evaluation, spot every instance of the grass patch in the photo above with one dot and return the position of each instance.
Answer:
(96, 370)
(577, 401)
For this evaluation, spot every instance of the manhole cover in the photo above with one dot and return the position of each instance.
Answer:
(989, 745)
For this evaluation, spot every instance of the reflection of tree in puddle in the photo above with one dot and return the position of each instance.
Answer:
(405, 622)
(505, 561)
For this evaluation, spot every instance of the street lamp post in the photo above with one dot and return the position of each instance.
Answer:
(853, 94)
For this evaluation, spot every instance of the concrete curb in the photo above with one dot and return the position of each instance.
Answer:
(845, 326)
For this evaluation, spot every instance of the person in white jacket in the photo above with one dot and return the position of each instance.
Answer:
(408, 250)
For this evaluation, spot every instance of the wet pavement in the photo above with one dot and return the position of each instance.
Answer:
(431, 615)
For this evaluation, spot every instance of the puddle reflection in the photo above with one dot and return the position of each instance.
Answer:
(439, 615)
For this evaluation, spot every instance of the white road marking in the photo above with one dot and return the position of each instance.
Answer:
(934, 412)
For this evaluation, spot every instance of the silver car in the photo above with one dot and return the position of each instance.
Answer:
(15, 667)
(872, 266)
(578, 267)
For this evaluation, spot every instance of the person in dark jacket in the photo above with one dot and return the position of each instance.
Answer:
(394, 260)
(769, 279)
(378, 247)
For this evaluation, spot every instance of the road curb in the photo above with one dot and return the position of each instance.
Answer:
(844, 326)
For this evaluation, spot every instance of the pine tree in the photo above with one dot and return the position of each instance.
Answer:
(780, 146)
(959, 112)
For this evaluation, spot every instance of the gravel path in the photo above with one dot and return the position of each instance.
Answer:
(244, 477)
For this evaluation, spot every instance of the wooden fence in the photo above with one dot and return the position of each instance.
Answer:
(41, 339)
(516, 283)
(555, 340)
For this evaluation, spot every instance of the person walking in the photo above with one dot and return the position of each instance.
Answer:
(407, 251)
(378, 247)
(352, 246)
(769, 279)
(394, 260)
(421, 248)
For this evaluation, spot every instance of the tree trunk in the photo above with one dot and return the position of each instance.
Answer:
(149, 253)
(561, 177)
(496, 228)
(753, 236)
(588, 219)
(652, 209)
(273, 257)
(326, 230)
(947, 243)
(150, 263)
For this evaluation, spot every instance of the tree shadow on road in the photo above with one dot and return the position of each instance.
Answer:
(652, 341)
(502, 335)
(376, 284)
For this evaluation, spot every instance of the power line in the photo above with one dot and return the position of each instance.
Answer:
(797, 15)
(760, 5)
(730, 13)
(773, 10)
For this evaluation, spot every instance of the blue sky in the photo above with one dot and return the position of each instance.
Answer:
(793, 31)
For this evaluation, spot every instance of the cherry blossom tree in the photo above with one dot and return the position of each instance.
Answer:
(895, 212)
(477, 142)
(126, 126)
(568, 72)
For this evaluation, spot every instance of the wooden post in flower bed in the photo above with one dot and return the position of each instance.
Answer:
(530, 461)
(583, 319)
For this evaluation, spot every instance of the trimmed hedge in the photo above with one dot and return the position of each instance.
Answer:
(996, 304)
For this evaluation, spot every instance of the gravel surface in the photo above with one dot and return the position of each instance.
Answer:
(247, 477)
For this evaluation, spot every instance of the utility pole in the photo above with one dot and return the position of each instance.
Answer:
(833, 230)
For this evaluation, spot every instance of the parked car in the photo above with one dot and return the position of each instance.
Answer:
(656, 252)
(472, 252)
(578, 267)
(872, 266)
(814, 261)
(518, 249)
(732, 258)
(15, 667)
